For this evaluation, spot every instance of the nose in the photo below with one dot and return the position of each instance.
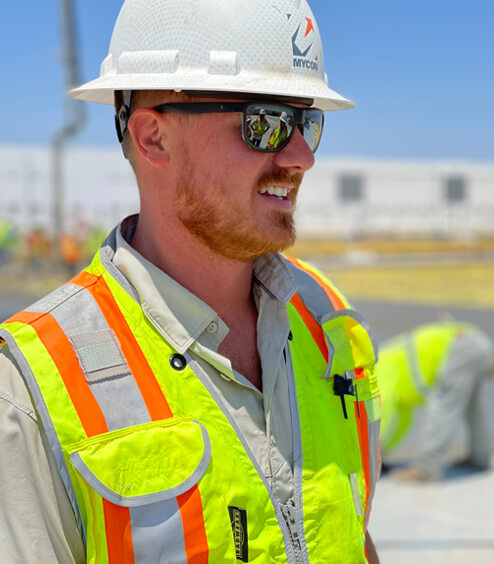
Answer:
(297, 156)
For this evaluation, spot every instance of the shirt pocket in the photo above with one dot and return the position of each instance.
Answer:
(144, 464)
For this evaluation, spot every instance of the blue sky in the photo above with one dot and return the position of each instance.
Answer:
(421, 74)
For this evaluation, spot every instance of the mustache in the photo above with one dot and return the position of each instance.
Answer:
(281, 177)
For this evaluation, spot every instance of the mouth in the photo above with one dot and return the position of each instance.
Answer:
(276, 192)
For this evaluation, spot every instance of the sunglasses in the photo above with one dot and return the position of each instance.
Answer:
(266, 127)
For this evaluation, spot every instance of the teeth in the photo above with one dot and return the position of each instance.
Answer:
(275, 191)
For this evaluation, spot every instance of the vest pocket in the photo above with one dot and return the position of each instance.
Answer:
(144, 464)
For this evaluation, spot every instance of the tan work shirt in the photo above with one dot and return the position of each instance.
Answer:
(36, 519)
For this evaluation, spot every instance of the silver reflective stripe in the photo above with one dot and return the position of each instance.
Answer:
(298, 458)
(310, 291)
(157, 533)
(106, 254)
(137, 501)
(413, 363)
(48, 427)
(198, 371)
(54, 299)
(331, 353)
(357, 500)
(373, 432)
(117, 394)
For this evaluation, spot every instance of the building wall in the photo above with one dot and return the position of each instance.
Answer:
(408, 197)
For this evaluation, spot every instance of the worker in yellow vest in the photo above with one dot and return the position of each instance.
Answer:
(8, 239)
(280, 133)
(194, 396)
(258, 127)
(442, 368)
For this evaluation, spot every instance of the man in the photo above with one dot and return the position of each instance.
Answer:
(442, 367)
(258, 127)
(192, 395)
(280, 133)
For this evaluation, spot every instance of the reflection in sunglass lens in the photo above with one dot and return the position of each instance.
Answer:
(312, 129)
(270, 128)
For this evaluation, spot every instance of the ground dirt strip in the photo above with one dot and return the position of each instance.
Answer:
(467, 284)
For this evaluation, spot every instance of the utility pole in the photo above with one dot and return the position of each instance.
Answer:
(75, 118)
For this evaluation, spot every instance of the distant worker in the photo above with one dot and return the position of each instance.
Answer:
(8, 239)
(280, 133)
(443, 367)
(258, 127)
(71, 252)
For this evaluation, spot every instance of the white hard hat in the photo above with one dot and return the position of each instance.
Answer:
(242, 46)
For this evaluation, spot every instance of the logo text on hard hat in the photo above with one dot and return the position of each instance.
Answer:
(300, 57)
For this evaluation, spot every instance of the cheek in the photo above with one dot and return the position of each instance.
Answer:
(217, 154)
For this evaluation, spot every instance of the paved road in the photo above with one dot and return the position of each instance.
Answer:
(389, 319)
(450, 522)
(11, 303)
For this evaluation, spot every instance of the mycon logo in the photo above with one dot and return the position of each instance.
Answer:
(300, 56)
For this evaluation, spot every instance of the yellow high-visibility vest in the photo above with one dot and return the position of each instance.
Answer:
(152, 461)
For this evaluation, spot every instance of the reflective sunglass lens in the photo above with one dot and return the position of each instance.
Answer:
(312, 128)
(269, 129)
(311, 135)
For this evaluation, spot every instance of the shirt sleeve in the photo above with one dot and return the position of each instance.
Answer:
(37, 524)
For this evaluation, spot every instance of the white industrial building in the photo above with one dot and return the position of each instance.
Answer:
(340, 196)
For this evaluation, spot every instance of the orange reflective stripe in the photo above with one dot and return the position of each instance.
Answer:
(27, 317)
(332, 295)
(314, 327)
(190, 503)
(151, 392)
(58, 346)
(196, 544)
(118, 534)
(90, 415)
(363, 433)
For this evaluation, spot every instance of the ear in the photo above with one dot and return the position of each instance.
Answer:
(147, 130)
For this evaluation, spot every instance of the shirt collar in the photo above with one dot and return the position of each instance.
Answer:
(180, 316)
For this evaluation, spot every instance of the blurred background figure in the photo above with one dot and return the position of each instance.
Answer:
(71, 253)
(38, 249)
(443, 367)
(8, 240)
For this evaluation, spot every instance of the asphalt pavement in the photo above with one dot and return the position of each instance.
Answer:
(10, 303)
(450, 522)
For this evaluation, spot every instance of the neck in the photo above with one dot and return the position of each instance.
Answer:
(222, 283)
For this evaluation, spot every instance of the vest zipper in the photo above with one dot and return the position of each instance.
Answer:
(290, 515)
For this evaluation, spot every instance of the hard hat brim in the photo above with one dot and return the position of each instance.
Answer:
(101, 90)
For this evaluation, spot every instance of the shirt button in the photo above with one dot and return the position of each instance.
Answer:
(225, 377)
(178, 362)
(212, 327)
